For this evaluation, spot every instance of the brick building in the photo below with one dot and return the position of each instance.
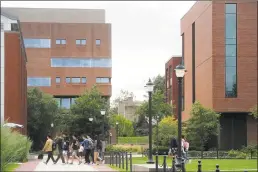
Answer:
(13, 73)
(68, 51)
(171, 82)
(220, 55)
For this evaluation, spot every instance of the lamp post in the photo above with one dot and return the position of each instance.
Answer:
(180, 72)
(117, 132)
(110, 137)
(91, 120)
(150, 86)
(103, 112)
(157, 132)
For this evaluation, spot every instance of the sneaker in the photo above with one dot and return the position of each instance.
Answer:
(45, 163)
(80, 162)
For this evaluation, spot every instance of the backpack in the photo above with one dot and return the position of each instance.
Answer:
(65, 145)
(54, 145)
(90, 146)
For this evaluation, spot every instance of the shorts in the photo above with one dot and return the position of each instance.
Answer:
(80, 153)
(65, 153)
(74, 152)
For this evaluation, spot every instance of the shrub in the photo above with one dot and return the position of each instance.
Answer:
(14, 147)
(133, 140)
(125, 148)
(237, 154)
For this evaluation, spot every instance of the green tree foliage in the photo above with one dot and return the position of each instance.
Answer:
(125, 126)
(167, 128)
(41, 110)
(88, 105)
(202, 125)
(159, 83)
(254, 112)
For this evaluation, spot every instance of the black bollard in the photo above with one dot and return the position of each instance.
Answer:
(116, 159)
(131, 162)
(123, 163)
(199, 166)
(126, 161)
(157, 162)
(119, 159)
(164, 163)
(217, 168)
(173, 164)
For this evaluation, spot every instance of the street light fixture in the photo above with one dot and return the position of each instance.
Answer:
(91, 120)
(103, 112)
(117, 132)
(180, 72)
(52, 125)
(149, 88)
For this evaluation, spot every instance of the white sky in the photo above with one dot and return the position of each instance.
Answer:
(145, 34)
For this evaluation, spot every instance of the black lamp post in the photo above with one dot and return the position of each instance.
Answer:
(91, 120)
(117, 132)
(180, 72)
(103, 112)
(157, 119)
(150, 86)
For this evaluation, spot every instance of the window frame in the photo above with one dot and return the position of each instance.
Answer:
(82, 80)
(60, 41)
(66, 79)
(97, 43)
(59, 80)
(72, 82)
(80, 42)
(109, 80)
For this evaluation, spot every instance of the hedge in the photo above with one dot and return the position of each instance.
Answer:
(133, 140)
(14, 147)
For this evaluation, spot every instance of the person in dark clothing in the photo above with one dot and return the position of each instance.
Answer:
(59, 142)
(173, 146)
(66, 146)
(75, 147)
(87, 149)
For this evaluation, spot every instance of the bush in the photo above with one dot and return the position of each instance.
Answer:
(237, 154)
(124, 148)
(14, 147)
(133, 140)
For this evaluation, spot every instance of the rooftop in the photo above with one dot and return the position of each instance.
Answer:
(55, 15)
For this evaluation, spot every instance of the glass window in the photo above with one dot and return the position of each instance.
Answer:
(230, 61)
(65, 103)
(78, 41)
(83, 41)
(102, 80)
(231, 82)
(58, 41)
(97, 41)
(84, 80)
(37, 43)
(68, 80)
(39, 81)
(76, 80)
(58, 80)
(58, 101)
(63, 41)
(230, 8)
(230, 41)
(231, 26)
(102, 63)
(73, 101)
(231, 50)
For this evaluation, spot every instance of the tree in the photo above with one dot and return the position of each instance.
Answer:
(41, 111)
(167, 129)
(254, 112)
(202, 125)
(159, 83)
(125, 126)
(88, 105)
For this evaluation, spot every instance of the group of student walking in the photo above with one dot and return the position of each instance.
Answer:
(75, 148)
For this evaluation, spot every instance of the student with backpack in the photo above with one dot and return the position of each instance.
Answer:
(66, 147)
(87, 144)
(49, 149)
(75, 147)
(59, 143)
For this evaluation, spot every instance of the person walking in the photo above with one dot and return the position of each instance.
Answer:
(48, 148)
(91, 147)
(66, 147)
(87, 150)
(75, 147)
(59, 142)
(103, 145)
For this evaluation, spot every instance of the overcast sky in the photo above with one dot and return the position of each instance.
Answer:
(145, 34)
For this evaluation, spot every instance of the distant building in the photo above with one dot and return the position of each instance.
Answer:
(128, 108)
(13, 73)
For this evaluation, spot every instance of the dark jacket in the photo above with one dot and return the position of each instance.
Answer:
(173, 143)
(59, 142)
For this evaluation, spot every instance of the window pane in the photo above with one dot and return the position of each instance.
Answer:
(58, 80)
(231, 41)
(83, 80)
(231, 50)
(231, 82)
(58, 101)
(102, 63)
(78, 42)
(97, 41)
(230, 61)
(231, 26)
(67, 79)
(230, 8)
(58, 41)
(80, 62)
(83, 41)
(102, 80)
(73, 100)
(39, 81)
(65, 103)
(76, 80)
(63, 41)
(37, 43)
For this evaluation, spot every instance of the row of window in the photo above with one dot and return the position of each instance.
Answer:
(65, 102)
(46, 43)
(46, 81)
(230, 50)
(81, 62)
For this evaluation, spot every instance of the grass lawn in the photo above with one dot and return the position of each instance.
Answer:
(11, 167)
(237, 165)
